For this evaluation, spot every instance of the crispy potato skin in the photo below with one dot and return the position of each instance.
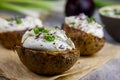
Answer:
(46, 62)
(86, 43)
(10, 39)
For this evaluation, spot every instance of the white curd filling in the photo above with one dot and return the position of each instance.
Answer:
(20, 24)
(47, 39)
(88, 25)
(111, 12)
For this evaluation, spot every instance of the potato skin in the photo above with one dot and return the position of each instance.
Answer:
(46, 62)
(86, 43)
(10, 39)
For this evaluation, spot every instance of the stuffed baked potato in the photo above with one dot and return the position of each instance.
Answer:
(47, 52)
(85, 32)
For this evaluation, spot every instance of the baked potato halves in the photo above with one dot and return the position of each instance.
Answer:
(86, 34)
(47, 51)
(86, 43)
(11, 29)
(10, 39)
(47, 62)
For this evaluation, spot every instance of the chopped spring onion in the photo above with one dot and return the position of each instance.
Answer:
(36, 30)
(18, 20)
(9, 19)
(73, 23)
(23, 6)
(91, 20)
(43, 30)
(56, 27)
(49, 37)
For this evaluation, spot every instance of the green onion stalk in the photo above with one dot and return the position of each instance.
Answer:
(101, 3)
(25, 6)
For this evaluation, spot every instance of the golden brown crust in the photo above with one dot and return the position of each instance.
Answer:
(46, 62)
(86, 43)
(10, 39)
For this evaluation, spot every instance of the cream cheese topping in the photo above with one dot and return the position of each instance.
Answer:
(27, 23)
(111, 11)
(38, 41)
(81, 22)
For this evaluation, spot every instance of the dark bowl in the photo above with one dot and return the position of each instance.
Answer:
(112, 25)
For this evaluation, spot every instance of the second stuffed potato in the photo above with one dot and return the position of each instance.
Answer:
(85, 33)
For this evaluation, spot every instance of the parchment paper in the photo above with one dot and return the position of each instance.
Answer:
(12, 68)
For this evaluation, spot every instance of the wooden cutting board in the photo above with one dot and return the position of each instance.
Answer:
(12, 68)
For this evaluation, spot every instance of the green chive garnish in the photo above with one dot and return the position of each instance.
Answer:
(9, 19)
(56, 27)
(49, 37)
(73, 23)
(43, 30)
(105, 12)
(116, 11)
(36, 30)
(91, 20)
(18, 20)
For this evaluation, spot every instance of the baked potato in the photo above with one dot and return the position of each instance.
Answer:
(86, 43)
(47, 62)
(10, 39)
(11, 29)
(47, 51)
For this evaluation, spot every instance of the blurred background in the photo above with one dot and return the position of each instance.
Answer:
(52, 11)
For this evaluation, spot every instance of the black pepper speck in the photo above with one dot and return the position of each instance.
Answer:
(29, 29)
(11, 24)
(61, 47)
(37, 36)
(53, 43)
